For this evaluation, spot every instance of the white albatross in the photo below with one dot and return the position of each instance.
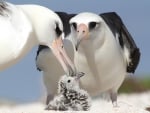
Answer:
(105, 52)
(45, 57)
(25, 26)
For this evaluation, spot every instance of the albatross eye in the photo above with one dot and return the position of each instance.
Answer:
(58, 31)
(92, 25)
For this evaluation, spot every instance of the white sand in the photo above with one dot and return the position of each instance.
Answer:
(133, 103)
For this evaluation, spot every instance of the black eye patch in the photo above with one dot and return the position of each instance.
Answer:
(92, 25)
(58, 31)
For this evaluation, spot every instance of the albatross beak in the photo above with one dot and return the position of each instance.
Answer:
(82, 33)
(61, 55)
(78, 43)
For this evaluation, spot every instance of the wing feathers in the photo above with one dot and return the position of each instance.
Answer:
(125, 39)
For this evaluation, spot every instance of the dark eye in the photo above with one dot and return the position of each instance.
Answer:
(69, 81)
(58, 31)
(92, 25)
(74, 25)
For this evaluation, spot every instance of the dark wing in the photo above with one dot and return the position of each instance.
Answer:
(125, 39)
(40, 48)
(65, 19)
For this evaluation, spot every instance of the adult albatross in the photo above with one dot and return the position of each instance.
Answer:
(105, 52)
(24, 26)
(45, 57)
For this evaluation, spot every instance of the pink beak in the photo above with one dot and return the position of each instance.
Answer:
(61, 55)
(83, 32)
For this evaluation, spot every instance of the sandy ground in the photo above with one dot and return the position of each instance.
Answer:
(131, 103)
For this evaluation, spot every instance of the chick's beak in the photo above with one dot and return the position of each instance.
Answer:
(61, 55)
(82, 33)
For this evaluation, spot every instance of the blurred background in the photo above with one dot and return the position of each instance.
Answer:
(22, 83)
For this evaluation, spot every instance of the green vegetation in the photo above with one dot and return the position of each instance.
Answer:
(132, 85)
(146, 82)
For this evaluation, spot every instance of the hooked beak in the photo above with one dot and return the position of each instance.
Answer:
(82, 33)
(61, 55)
(78, 43)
